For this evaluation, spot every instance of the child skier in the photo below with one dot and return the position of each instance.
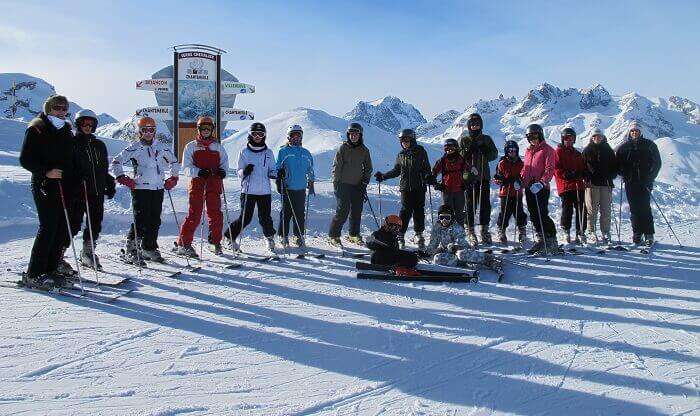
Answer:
(511, 194)
(452, 167)
(150, 160)
(205, 161)
(384, 244)
(569, 172)
(256, 166)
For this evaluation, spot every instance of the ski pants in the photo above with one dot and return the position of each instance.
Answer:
(53, 231)
(349, 200)
(203, 192)
(599, 198)
(455, 200)
(413, 206)
(264, 204)
(541, 200)
(78, 210)
(403, 258)
(639, 200)
(148, 205)
(294, 212)
(573, 201)
(509, 206)
(478, 196)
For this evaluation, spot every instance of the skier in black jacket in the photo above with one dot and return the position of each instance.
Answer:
(48, 153)
(414, 167)
(91, 155)
(384, 244)
(601, 170)
(639, 162)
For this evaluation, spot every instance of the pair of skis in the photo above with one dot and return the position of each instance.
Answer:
(422, 273)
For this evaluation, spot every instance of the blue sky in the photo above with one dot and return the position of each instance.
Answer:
(437, 55)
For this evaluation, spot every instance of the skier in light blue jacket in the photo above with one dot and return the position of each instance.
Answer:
(295, 174)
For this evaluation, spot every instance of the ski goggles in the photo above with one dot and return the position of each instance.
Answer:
(147, 129)
(257, 134)
(444, 217)
(206, 127)
(60, 107)
(295, 135)
(533, 136)
(86, 123)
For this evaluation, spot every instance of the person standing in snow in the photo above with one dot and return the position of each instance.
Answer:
(151, 160)
(452, 167)
(511, 195)
(448, 245)
(601, 171)
(413, 166)
(639, 162)
(478, 150)
(384, 244)
(48, 153)
(205, 161)
(295, 175)
(537, 173)
(351, 172)
(256, 166)
(569, 173)
(91, 154)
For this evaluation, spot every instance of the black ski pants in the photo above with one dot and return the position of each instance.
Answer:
(478, 196)
(639, 200)
(511, 206)
(541, 200)
(294, 212)
(349, 200)
(78, 210)
(573, 201)
(264, 204)
(413, 206)
(147, 205)
(53, 231)
(403, 258)
(455, 200)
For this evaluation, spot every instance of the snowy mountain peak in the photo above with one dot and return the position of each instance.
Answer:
(438, 124)
(685, 106)
(595, 96)
(389, 113)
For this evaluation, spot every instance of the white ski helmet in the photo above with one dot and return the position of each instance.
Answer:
(295, 127)
(85, 113)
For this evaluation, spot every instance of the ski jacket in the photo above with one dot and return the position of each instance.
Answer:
(91, 154)
(413, 166)
(538, 165)
(638, 161)
(478, 151)
(452, 171)
(203, 154)
(509, 171)
(263, 160)
(352, 165)
(601, 165)
(152, 163)
(45, 147)
(569, 169)
(441, 237)
(298, 165)
(383, 240)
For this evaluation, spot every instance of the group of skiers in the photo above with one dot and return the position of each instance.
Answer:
(70, 178)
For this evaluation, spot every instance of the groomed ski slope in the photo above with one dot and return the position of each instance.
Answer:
(613, 334)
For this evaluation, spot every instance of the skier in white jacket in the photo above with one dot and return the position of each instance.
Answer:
(256, 166)
(152, 163)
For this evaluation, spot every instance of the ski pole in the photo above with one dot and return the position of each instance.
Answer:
(516, 215)
(70, 235)
(619, 222)
(136, 235)
(664, 215)
(201, 225)
(283, 217)
(430, 199)
(539, 215)
(504, 224)
(481, 187)
(177, 222)
(579, 213)
(92, 240)
(306, 216)
(379, 192)
(241, 218)
(369, 203)
(228, 222)
(291, 208)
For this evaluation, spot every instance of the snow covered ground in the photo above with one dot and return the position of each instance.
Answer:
(580, 335)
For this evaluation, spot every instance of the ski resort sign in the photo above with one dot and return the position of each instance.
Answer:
(194, 88)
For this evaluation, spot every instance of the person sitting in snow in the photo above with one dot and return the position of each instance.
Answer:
(384, 244)
(448, 245)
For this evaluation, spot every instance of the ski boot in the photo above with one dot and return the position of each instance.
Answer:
(581, 239)
(538, 247)
(471, 237)
(486, 236)
(152, 255)
(64, 268)
(335, 241)
(63, 282)
(502, 238)
(271, 244)
(215, 248)
(356, 239)
(299, 242)
(522, 235)
(420, 241)
(592, 238)
(636, 239)
(187, 251)
(648, 240)
(552, 245)
(86, 257)
(42, 282)
(232, 244)
(284, 242)
(402, 242)
(606, 239)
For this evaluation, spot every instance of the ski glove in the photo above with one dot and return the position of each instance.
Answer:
(439, 187)
(248, 170)
(110, 189)
(536, 187)
(204, 173)
(379, 176)
(170, 183)
(499, 178)
(310, 186)
(127, 181)
(474, 171)
(221, 173)
(517, 185)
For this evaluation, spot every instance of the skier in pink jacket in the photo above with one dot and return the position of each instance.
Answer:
(536, 175)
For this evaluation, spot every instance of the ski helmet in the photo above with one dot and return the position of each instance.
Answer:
(511, 144)
(354, 127)
(294, 128)
(566, 132)
(534, 130)
(474, 120)
(445, 211)
(257, 127)
(145, 122)
(450, 143)
(205, 120)
(394, 220)
(85, 113)
(408, 134)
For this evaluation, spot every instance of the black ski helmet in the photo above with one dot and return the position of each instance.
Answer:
(534, 129)
(408, 133)
(511, 144)
(451, 142)
(473, 119)
(354, 127)
(568, 131)
(445, 209)
(257, 126)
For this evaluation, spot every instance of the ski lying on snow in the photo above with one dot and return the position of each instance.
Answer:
(424, 269)
(262, 258)
(75, 292)
(418, 278)
(103, 282)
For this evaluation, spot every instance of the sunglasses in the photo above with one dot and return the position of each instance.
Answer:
(147, 130)
(207, 128)
(568, 137)
(295, 135)
(533, 136)
(60, 107)
(87, 123)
